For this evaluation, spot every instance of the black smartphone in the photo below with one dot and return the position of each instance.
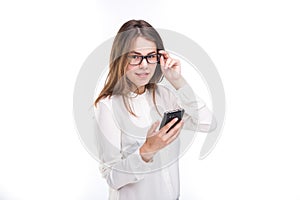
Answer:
(169, 115)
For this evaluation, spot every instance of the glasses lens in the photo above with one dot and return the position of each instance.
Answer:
(134, 60)
(152, 58)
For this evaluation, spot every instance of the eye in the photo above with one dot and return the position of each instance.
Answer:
(152, 56)
(134, 57)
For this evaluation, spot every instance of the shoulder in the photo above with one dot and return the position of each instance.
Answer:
(105, 103)
(166, 97)
(163, 90)
(103, 110)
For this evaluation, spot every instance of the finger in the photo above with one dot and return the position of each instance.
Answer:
(152, 129)
(172, 134)
(174, 130)
(172, 63)
(167, 65)
(164, 129)
(171, 139)
(176, 62)
(162, 61)
(164, 53)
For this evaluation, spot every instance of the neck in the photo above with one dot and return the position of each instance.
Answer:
(140, 90)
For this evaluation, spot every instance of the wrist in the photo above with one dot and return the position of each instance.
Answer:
(146, 156)
(178, 83)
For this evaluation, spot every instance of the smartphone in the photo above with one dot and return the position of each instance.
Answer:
(169, 115)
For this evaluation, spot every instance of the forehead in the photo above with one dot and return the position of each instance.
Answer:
(143, 45)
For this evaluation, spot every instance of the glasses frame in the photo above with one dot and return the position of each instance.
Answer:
(145, 57)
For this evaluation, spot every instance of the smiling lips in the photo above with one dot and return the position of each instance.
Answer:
(142, 74)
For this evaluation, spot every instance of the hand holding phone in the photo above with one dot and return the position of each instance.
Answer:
(157, 140)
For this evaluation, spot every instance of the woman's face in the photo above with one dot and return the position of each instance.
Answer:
(140, 74)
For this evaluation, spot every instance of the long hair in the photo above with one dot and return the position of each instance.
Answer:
(116, 82)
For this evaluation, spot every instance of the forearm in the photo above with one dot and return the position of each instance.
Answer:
(198, 117)
(125, 171)
(178, 83)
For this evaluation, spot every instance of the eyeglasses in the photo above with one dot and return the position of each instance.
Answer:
(137, 60)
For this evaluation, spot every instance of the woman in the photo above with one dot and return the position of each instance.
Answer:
(138, 160)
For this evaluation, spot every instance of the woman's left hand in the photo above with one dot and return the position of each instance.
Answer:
(171, 69)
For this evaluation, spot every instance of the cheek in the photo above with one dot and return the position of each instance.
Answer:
(129, 67)
(153, 69)
(129, 72)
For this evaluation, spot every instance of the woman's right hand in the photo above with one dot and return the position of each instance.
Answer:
(157, 140)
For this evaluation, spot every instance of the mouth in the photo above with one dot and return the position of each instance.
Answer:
(142, 75)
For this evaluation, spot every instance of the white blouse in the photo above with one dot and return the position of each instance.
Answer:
(120, 135)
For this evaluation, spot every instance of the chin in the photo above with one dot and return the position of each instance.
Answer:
(141, 83)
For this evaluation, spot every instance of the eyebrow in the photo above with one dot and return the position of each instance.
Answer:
(141, 54)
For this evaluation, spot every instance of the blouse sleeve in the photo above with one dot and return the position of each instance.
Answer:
(197, 116)
(117, 169)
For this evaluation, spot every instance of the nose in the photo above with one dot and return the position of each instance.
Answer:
(144, 63)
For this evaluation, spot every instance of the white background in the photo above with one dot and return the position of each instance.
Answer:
(255, 46)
